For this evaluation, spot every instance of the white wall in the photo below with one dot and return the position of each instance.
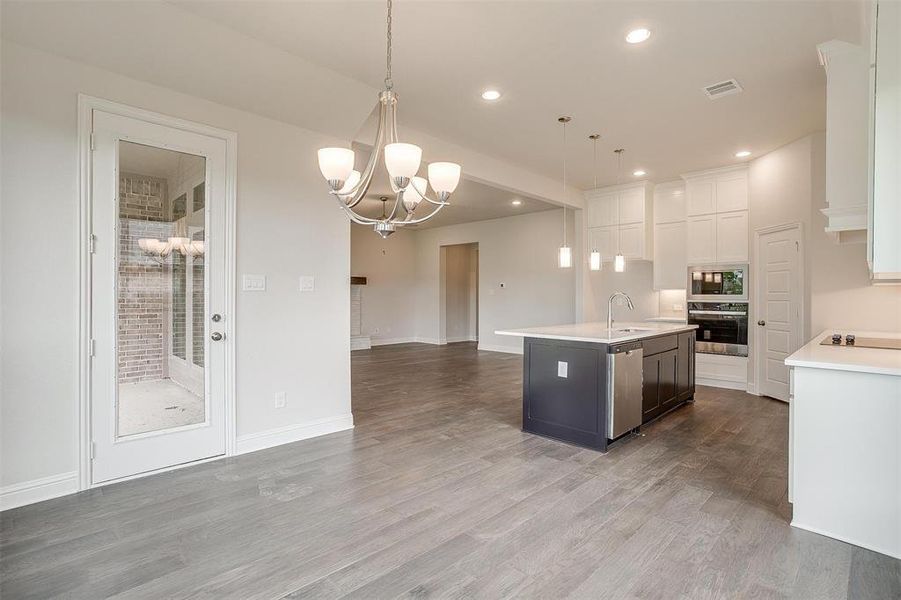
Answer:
(637, 280)
(287, 226)
(390, 269)
(521, 253)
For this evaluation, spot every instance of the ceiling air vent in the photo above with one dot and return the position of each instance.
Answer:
(723, 88)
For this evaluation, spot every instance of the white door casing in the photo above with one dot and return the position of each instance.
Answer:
(114, 457)
(779, 307)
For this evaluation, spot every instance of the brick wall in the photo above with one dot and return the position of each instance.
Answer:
(143, 284)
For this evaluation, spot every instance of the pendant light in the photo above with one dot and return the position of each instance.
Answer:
(565, 254)
(619, 263)
(594, 258)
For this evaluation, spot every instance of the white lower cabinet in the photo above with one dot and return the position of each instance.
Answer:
(732, 236)
(701, 242)
(670, 262)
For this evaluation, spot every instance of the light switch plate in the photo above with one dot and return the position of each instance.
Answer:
(253, 283)
(307, 283)
(281, 400)
(562, 369)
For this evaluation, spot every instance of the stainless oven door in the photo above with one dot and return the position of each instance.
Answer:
(720, 331)
(718, 283)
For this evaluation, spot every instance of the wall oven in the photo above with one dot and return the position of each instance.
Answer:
(720, 283)
(722, 327)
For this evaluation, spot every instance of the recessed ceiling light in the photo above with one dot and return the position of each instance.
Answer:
(639, 173)
(491, 95)
(637, 36)
(742, 153)
(516, 202)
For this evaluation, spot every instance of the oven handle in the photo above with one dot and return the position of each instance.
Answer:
(717, 312)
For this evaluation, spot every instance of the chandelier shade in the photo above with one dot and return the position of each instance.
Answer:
(336, 164)
(444, 177)
(402, 161)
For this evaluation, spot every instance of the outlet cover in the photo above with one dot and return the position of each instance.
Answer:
(562, 369)
(307, 283)
(253, 283)
(281, 400)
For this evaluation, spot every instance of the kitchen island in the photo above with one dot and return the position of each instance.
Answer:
(845, 439)
(589, 385)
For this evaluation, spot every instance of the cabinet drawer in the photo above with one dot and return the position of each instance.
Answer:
(659, 344)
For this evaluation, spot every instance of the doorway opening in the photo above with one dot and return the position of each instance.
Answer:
(459, 293)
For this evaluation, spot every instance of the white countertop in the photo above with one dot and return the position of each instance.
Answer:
(669, 319)
(598, 332)
(842, 358)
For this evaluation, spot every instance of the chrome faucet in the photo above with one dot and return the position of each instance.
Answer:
(613, 297)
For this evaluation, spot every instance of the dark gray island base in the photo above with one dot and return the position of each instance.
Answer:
(572, 406)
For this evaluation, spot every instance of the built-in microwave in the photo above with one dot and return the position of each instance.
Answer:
(719, 283)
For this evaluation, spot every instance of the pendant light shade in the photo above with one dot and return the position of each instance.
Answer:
(402, 160)
(594, 260)
(619, 263)
(565, 257)
(336, 164)
(444, 177)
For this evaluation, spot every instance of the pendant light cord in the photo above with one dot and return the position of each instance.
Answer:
(389, 84)
(564, 182)
(619, 172)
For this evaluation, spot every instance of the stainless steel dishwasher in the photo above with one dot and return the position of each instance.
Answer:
(624, 379)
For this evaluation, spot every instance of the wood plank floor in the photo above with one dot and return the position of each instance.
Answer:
(437, 493)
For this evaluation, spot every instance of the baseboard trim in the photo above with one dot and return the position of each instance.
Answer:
(391, 341)
(38, 490)
(852, 541)
(462, 338)
(292, 433)
(722, 383)
(504, 349)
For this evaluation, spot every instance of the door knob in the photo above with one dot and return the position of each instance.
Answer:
(216, 336)
(216, 318)
(761, 322)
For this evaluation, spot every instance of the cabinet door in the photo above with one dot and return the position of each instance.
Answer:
(650, 399)
(631, 206)
(603, 211)
(666, 379)
(669, 203)
(732, 192)
(701, 198)
(701, 233)
(604, 240)
(670, 262)
(732, 237)
(631, 241)
(685, 366)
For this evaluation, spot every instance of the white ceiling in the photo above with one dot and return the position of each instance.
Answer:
(569, 57)
(319, 64)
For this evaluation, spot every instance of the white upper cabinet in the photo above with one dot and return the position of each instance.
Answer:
(620, 219)
(670, 257)
(669, 202)
(732, 191)
(701, 240)
(717, 208)
(883, 237)
(847, 125)
(631, 206)
(732, 237)
(603, 210)
(701, 196)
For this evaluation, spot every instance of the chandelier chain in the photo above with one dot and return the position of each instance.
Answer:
(389, 84)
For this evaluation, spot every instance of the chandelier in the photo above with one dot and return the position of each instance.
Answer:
(402, 162)
(159, 250)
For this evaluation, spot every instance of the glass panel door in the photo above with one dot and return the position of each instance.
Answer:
(161, 290)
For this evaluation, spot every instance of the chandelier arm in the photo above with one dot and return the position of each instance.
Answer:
(425, 197)
(356, 195)
(421, 219)
(357, 218)
(391, 218)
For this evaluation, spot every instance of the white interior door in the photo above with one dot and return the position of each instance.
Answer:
(778, 309)
(158, 219)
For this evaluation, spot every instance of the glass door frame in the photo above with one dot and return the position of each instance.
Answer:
(86, 346)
